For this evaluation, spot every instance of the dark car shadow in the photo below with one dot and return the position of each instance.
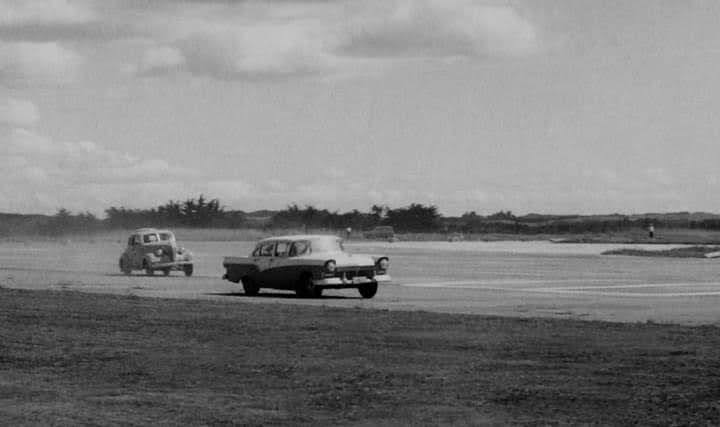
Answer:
(278, 295)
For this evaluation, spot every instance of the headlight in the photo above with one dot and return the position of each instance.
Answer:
(159, 252)
(180, 250)
(330, 266)
(383, 264)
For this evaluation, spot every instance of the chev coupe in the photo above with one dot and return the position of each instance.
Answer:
(306, 264)
(153, 250)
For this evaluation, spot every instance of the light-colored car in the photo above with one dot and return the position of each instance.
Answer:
(306, 264)
(151, 250)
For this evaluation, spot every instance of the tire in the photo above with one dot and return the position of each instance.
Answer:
(368, 290)
(148, 270)
(124, 268)
(166, 271)
(305, 287)
(188, 269)
(250, 287)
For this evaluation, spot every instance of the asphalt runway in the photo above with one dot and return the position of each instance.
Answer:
(525, 279)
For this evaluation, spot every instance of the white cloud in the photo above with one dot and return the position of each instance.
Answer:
(258, 40)
(18, 112)
(25, 12)
(23, 63)
(435, 28)
(51, 171)
(161, 59)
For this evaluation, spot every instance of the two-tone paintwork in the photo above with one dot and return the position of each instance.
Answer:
(281, 268)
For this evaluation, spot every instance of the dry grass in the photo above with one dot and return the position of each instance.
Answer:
(686, 252)
(71, 358)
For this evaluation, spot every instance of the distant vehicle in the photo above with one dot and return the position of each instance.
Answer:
(153, 250)
(456, 237)
(306, 264)
(382, 232)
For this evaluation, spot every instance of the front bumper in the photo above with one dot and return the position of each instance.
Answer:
(341, 282)
(170, 264)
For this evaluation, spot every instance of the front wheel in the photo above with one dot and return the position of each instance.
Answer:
(188, 269)
(368, 290)
(250, 287)
(124, 267)
(305, 288)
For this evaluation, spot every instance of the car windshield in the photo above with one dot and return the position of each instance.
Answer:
(166, 236)
(326, 245)
(150, 238)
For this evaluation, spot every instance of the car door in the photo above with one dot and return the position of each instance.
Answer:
(263, 260)
(278, 272)
(136, 255)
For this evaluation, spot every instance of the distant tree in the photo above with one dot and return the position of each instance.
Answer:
(414, 218)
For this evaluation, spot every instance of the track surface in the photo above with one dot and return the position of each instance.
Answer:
(498, 278)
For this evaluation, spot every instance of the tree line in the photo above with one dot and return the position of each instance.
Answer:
(203, 212)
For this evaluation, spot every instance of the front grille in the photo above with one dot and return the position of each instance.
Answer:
(350, 274)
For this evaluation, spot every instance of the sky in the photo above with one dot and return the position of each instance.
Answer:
(533, 106)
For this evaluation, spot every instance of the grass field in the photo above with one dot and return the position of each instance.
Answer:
(72, 358)
(684, 252)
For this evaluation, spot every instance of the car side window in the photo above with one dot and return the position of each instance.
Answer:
(256, 252)
(282, 248)
(136, 239)
(299, 248)
(267, 249)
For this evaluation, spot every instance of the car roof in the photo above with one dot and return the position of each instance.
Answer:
(295, 237)
(151, 230)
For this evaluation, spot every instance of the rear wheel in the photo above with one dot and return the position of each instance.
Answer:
(166, 271)
(250, 287)
(305, 288)
(188, 269)
(368, 290)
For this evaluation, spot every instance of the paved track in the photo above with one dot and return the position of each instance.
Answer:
(502, 278)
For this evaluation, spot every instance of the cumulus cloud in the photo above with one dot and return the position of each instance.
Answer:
(17, 112)
(249, 40)
(38, 165)
(23, 63)
(435, 28)
(24, 12)
(159, 59)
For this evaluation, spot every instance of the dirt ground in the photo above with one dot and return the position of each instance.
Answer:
(520, 279)
(72, 358)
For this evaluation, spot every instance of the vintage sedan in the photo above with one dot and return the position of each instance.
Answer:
(306, 264)
(151, 250)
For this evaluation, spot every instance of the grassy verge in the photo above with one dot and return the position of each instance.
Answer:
(686, 252)
(71, 358)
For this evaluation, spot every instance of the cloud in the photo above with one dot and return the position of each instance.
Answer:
(37, 165)
(269, 40)
(25, 63)
(17, 112)
(434, 28)
(161, 59)
(23, 12)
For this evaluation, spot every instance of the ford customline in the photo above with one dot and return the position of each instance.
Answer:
(306, 264)
(153, 250)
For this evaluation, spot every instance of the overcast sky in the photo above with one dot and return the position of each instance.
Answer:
(572, 106)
